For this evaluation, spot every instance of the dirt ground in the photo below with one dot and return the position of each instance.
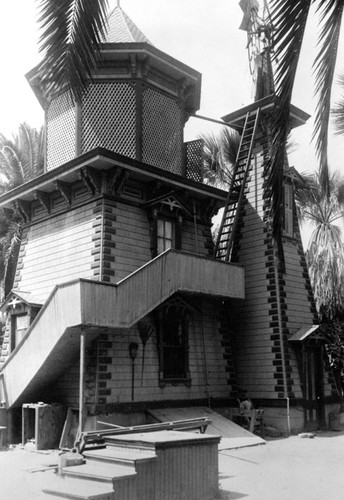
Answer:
(293, 468)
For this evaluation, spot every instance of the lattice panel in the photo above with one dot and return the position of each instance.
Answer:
(194, 160)
(109, 118)
(162, 131)
(61, 131)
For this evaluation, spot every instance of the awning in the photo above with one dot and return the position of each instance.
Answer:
(303, 333)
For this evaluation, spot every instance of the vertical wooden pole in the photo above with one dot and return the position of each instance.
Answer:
(81, 382)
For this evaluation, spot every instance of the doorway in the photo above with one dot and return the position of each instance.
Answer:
(313, 386)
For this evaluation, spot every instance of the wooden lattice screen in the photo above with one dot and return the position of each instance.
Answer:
(193, 154)
(161, 131)
(61, 130)
(109, 118)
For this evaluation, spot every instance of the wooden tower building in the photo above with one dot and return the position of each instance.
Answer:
(120, 304)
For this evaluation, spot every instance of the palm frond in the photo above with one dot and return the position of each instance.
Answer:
(220, 152)
(29, 143)
(338, 110)
(72, 30)
(331, 13)
(289, 21)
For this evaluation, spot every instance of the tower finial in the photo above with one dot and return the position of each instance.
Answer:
(118, 3)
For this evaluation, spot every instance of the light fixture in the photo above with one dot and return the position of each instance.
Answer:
(133, 348)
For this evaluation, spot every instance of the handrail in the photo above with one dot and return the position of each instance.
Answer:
(97, 437)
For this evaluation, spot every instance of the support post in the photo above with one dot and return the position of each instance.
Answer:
(81, 382)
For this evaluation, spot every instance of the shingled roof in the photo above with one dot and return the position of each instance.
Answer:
(121, 28)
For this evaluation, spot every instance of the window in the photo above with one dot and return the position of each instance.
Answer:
(20, 324)
(173, 344)
(288, 210)
(164, 235)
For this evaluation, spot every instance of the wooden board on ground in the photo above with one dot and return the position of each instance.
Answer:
(232, 435)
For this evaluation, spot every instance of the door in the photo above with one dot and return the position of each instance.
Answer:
(313, 387)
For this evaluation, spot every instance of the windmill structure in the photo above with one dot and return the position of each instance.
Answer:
(280, 360)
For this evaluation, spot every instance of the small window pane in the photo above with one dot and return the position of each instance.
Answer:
(161, 228)
(168, 230)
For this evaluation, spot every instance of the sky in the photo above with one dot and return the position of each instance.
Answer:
(201, 33)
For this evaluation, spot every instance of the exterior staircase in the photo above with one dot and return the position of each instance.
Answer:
(52, 343)
(163, 465)
(226, 235)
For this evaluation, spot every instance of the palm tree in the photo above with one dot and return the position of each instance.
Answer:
(325, 256)
(219, 156)
(325, 259)
(21, 159)
(289, 20)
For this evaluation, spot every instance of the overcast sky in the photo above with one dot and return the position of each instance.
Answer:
(201, 33)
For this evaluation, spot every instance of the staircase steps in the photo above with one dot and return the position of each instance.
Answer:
(102, 472)
(97, 479)
(119, 456)
(157, 465)
(79, 489)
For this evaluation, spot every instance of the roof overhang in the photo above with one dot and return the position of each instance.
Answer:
(103, 159)
(303, 333)
(237, 119)
(133, 54)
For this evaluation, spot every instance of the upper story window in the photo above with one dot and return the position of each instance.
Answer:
(288, 224)
(165, 233)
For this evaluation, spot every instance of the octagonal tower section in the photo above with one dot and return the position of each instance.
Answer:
(136, 104)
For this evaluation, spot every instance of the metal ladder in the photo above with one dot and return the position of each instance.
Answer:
(225, 238)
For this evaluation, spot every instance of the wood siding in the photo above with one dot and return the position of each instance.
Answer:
(109, 367)
(57, 250)
(276, 305)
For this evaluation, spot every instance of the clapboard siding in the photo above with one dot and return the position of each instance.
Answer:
(113, 373)
(132, 240)
(253, 344)
(57, 250)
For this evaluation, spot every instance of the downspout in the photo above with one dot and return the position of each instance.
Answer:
(280, 329)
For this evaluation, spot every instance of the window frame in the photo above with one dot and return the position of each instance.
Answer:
(165, 349)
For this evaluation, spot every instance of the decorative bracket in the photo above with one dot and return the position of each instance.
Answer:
(44, 199)
(23, 208)
(133, 65)
(146, 67)
(113, 176)
(65, 190)
(117, 179)
(122, 180)
(91, 178)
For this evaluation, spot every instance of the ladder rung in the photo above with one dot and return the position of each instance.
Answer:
(238, 187)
